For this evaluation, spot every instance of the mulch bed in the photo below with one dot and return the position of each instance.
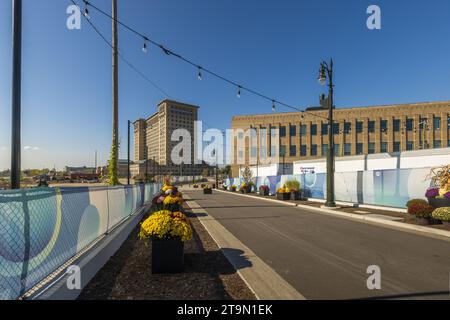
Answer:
(208, 274)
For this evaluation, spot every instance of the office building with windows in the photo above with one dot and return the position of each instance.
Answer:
(357, 131)
(152, 140)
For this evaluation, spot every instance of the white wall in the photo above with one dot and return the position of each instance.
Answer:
(381, 161)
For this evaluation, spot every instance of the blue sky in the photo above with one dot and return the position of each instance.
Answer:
(272, 46)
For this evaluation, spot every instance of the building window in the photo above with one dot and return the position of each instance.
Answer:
(437, 144)
(324, 149)
(253, 152)
(384, 125)
(337, 149)
(263, 152)
(274, 132)
(396, 146)
(314, 150)
(282, 150)
(437, 123)
(347, 127)
(409, 145)
(240, 135)
(324, 129)
(371, 147)
(409, 124)
(303, 130)
(335, 128)
(396, 125)
(293, 130)
(423, 123)
(303, 150)
(359, 148)
(384, 147)
(293, 150)
(241, 154)
(282, 131)
(314, 129)
(359, 127)
(347, 149)
(371, 126)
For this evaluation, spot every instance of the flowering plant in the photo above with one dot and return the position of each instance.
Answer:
(264, 187)
(420, 210)
(447, 195)
(442, 214)
(172, 199)
(283, 190)
(233, 187)
(432, 193)
(166, 225)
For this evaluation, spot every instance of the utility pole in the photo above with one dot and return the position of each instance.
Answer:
(16, 95)
(95, 162)
(115, 131)
(128, 159)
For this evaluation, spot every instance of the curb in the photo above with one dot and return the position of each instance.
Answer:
(425, 231)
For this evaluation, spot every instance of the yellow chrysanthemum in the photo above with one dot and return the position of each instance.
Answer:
(166, 225)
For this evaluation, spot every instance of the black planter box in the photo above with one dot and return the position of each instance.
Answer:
(439, 203)
(296, 195)
(167, 256)
(207, 191)
(264, 192)
(283, 196)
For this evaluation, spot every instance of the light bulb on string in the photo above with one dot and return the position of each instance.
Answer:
(239, 92)
(273, 105)
(200, 76)
(145, 46)
(86, 10)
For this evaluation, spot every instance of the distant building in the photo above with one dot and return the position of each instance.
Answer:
(80, 170)
(356, 131)
(152, 140)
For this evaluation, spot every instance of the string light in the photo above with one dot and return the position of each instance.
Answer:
(200, 69)
(239, 92)
(86, 9)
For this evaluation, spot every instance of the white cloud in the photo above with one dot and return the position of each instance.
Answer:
(31, 148)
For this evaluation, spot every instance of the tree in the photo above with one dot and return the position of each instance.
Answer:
(247, 174)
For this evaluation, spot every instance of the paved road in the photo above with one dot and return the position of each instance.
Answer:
(324, 257)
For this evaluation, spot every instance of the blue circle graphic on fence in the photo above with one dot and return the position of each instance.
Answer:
(42, 220)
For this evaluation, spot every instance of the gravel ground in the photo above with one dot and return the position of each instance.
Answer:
(208, 274)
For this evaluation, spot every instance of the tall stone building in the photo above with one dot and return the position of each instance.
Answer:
(357, 131)
(152, 140)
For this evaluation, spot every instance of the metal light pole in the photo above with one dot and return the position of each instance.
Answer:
(16, 95)
(327, 69)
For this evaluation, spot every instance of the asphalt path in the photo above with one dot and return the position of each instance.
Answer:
(326, 257)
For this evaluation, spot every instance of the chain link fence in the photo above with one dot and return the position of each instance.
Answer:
(41, 229)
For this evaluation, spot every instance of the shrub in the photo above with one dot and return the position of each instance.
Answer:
(416, 201)
(292, 185)
(432, 193)
(420, 210)
(442, 214)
